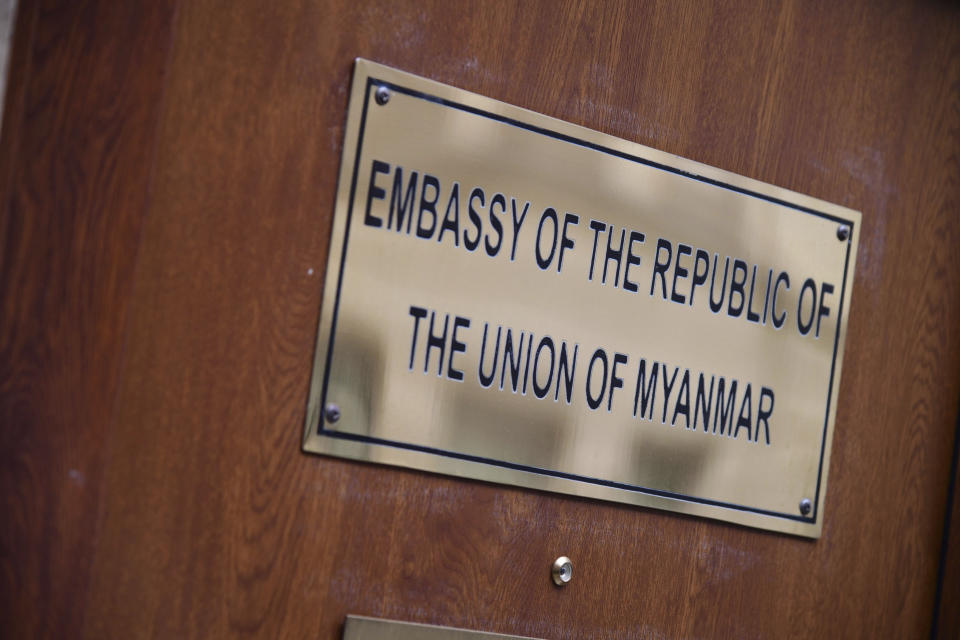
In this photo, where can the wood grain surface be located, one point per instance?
(167, 174)
(946, 617)
(78, 144)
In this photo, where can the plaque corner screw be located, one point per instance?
(843, 232)
(562, 571)
(383, 95)
(806, 507)
(331, 412)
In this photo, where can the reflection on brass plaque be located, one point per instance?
(517, 299)
(363, 628)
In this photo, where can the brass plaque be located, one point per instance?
(521, 300)
(364, 628)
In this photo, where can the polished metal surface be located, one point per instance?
(363, 628)
(593, 304)
(561, 571)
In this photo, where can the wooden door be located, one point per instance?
(167, 175)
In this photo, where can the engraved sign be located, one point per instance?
(364, 628)
(517, 299)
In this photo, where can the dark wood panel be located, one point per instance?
(947, 608)
(212, 523)
(82, 114)
(25, 22)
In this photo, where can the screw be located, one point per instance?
(843, 232)
(383, 95)
(332, 412)
(805, 506)
(562, 571)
